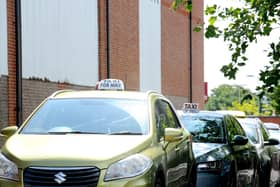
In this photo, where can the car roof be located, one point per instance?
(249, 122)
(270, 125)
(236, 113)
(201, 113)
(100, 94)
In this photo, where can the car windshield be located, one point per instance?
(90, 115)
(205, 129)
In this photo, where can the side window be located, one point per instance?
(238, 127)
(264, 133)
(165, 117)
(233, 128)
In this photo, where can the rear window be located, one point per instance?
(206, 129)
(101, 116)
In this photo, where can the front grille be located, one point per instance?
(61, 176)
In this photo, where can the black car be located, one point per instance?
(269, 154)
(224, 156)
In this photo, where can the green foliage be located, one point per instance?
(223, 97)
(186, 4)
(255, 19)
(276, 100)
(249, 107)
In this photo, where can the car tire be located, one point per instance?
(257, 181)
(159, 180)
(193, 177)
(232, 178)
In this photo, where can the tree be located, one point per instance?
(245, 25)
(223, 97)
(250, 107)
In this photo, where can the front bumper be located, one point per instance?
(144, 180)
(209, 179)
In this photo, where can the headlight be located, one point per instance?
(210, 166)
(129, 167)
(8, 169)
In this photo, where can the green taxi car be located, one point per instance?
(99, 138)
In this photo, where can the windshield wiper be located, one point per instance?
(126, 133)
(73, 132)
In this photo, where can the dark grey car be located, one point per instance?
(224, 156)
(268, 153)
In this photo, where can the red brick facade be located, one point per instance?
(102, 37)
(11, 21)
(198, 54)
(124, 54)
(124, 42)
(175, 52)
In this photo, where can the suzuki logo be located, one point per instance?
(60, 177)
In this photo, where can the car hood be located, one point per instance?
(210, 151)
(72, 149)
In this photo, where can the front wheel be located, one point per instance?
(159, 181)
(193, 178)
(257, 180)
(231, 179)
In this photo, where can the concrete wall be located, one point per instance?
(3, 38)
(150, 45)
(60, 34)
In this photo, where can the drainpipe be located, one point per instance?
(190, 45)
(18, 63)
(108, 37)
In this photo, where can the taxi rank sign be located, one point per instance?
(111, 84)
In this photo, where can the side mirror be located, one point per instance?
(172, 134)
(271, 141)
(9, 131)
(239, 140)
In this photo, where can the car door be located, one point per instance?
(270, 167)
(176, 152)
(244, 155)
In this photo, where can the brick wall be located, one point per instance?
(102, 37)
(273, 119)
(175, 53)
(3, 104)
(198, 54)
(11, 61)
(177, 101)
(35, 91)
(123, 37)
(124, 42)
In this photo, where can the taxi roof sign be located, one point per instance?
(190, 107)
(110, 84)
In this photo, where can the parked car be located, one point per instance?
(269, 154)
(224, 156)
(99, 138)
(273, 129)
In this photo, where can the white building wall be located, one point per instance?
(3, 39)
(60, 40)
(150, 45)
